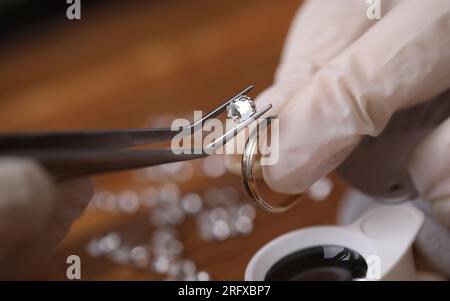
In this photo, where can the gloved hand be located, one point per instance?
(35, 214)
(343, 75)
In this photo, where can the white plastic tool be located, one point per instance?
(383, 236)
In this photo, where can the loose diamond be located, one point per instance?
(321, 189)
(241, 109)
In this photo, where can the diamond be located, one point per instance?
(241, 109)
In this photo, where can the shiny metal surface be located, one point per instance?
(249, 160)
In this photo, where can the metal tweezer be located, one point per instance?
(72, 154)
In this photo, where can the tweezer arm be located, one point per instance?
(68, 155)
(80, 163)
(106, 139)
(70, 163)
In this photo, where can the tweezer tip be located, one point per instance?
(258, 114)
(249, 88)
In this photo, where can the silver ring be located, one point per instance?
(249, 178)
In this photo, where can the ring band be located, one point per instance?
(249, 178)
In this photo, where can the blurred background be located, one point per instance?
(142, 63)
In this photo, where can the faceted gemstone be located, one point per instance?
(241, 109)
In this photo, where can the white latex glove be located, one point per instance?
(35, 214)
(342, 76)
(430, 170)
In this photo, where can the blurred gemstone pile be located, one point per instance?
(220, 213)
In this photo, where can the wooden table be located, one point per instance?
(124, 64)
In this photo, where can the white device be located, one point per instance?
(383, 236)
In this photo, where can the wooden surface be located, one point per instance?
(124, 64)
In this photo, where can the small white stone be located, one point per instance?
(128, 201)
(169, 193)
(188, 267)
(175, 247)
(109, 243)
(192, 203)
(139, 256)
(167, 215)
(218, 214)
(163, 236)
(248, 211)
(93, 248)
(221, 230)
(203, 276)
(161, 265)
(321, 189)
(105, 201)
(241, 109)
(174, 271)
(204, 226)
(244, 225)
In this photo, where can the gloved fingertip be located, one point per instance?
(274, 96)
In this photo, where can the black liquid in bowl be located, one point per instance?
(322, 263)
